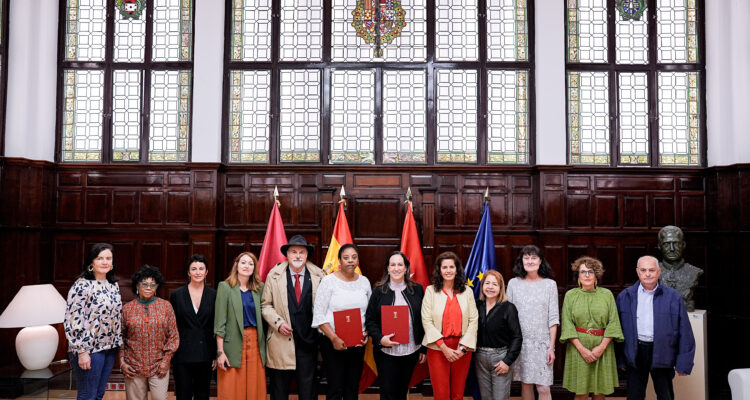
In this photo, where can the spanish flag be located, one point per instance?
(341, 236)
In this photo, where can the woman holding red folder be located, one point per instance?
(340, 293)
(394, 358)
(449, 317)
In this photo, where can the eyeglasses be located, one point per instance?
(586, 272)
(148, 285)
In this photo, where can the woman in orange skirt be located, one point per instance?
(240, 343)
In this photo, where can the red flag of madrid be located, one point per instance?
(270, 254)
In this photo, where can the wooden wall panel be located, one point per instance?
(162, 214)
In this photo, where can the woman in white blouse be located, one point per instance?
(342, 290)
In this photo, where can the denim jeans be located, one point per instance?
(92, 382)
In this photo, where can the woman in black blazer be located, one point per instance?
(194, 309)
(396, 361)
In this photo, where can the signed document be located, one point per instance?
(395, 319)
(348, 326)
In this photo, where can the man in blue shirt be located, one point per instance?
(658, 336)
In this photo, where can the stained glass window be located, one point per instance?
(457, 116)
(251, 30)
(250, 115)
(301, 30)
(352, 116)
(353, 84)
(456, 30)
(107, 101)
(404, 116)
(679, 117)
(82, 115)
(677, 30)
(633, 105)
(3, 63)
(409, 44)
(507, 30)
(300, 115)
(587, 31)
(588, 117)
(622, 110)
(508, 117)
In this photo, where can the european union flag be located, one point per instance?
(482, 257)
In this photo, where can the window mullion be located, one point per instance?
(614, 117)
(107, 106)
(653, 90)
(146, 88)
(274, 126)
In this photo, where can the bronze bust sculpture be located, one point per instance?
(675, 272)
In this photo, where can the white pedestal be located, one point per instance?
(695, 385)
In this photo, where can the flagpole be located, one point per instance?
(408, 197)
(276, 196)
(342, 195)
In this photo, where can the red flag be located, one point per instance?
(413, 249)
(270, 253)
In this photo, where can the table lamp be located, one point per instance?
(33, 309)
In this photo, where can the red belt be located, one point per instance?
(595, 332)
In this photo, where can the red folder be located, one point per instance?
(395, 319)
(348, 324)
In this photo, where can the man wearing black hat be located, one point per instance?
(286, 305)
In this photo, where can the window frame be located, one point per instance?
(652, 69)
(109, 66)
(430, 66)
(5, 27)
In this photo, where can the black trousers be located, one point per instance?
(343, 371)
(306, 358)
(192, 380)
(394, 374)
(638, 377)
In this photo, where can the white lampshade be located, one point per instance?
(34, 305)
(33, 309)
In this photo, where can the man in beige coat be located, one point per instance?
(287, 307)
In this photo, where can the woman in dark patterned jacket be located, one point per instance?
(149, 329)
(92, 322)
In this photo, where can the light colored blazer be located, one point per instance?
(433, 306)
(229, 322)
(275, 309)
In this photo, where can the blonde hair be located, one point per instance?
(499, 277)
(254, 281)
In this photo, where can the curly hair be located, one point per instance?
(459, 282)
(93, 254)
(145, 272)
(545, 270)
(588, 262)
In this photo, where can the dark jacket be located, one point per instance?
(500, 328)
(379, 298)
(674, 345)
(197, 340)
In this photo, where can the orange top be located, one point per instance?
(451, 318)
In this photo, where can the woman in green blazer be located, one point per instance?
(238, 325)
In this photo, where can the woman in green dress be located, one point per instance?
(589, 324)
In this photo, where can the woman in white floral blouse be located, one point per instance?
(92, 323)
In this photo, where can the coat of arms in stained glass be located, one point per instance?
(631, 9)
(378, 22)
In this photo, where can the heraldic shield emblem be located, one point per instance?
(378, 22)
(131, 9)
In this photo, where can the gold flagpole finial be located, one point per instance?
(276, 195)
(342, 195)
(408, 196)
(487, 194)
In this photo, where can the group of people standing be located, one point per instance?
(247, 329)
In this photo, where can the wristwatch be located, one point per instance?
(463, 350)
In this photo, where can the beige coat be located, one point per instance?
(275, 310)
(433, 306)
